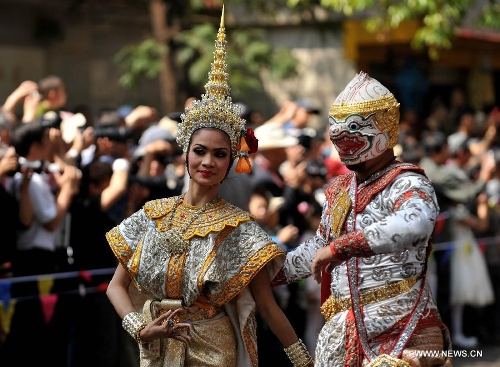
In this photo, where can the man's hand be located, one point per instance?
(322, 256)
(141, 117)
(8, 162)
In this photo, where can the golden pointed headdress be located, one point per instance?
(216, 109)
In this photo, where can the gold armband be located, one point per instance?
(299, 355)
(133, 323)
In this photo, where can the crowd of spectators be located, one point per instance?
(68, 176)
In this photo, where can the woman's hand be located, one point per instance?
(323, 255)
(166, 326)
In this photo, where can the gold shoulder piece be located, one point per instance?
(159, 207)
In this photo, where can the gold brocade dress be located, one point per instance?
(224, 249)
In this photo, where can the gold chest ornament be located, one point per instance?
(172, 240)
(385, 360)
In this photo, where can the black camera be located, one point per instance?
(169, 158)
(149, 181)
(36, 166)
(115, 133)
(50, 119)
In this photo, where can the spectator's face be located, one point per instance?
(301, 117)
(443, 155)
(42, 150)
(468, 122)
(258, 207)
(275, 156)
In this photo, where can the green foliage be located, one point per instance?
(248, 54)
(439, 18)
(490, 17)
(141, 60)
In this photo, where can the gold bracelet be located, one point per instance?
(299, 355)
(133, 323)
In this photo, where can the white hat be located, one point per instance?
(272, 135)
(275, 203)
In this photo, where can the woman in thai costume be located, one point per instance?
(204, 264)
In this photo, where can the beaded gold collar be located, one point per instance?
(213, 219)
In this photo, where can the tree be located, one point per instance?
(180, 52)
(440, 19)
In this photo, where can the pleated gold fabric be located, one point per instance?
(213, 344)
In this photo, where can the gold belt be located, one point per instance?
(193, 313)
(334, 305)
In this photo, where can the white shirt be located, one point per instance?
(44, 210)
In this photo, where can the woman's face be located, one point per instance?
(209, 156)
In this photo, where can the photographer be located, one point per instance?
(36, 244)
(158, 166)
(14, 215)
(102, 185)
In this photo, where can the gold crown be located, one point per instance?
(215, 109)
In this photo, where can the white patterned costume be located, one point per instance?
(377, 304)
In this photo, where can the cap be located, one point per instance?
(151, 134)
(307, 105)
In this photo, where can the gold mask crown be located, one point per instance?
(215, 109)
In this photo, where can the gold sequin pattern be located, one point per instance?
(123, 253)
(258, 260)
(339, 211)
(385, 360)
(334, 305)
(173, 287)
(213, 219)
(250, 338)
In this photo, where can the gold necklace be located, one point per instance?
(172, 240)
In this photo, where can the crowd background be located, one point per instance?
(95, 169)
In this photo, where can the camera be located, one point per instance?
(169, 158)
(50, 119)
(149, 181)
(116, 133)
(36, 166)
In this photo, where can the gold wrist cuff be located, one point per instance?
(299, 355)
(133, 323)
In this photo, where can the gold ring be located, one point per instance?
(170, 322)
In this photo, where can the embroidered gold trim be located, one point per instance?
(385, 109)
(214, 219)
(173, 287)
(333, 305)
(210, 258)
(124, 253)
(249, 335)
(339, 210)
(341, 111)
(385, 360)
(258, 260)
